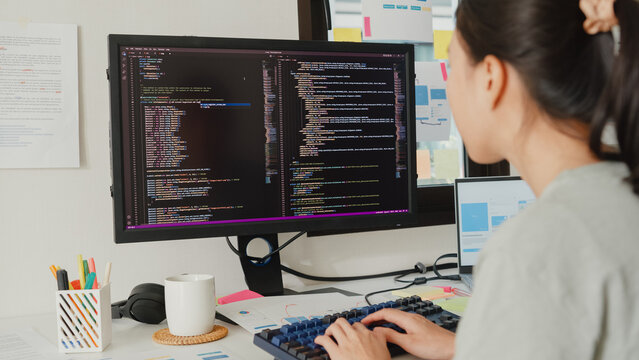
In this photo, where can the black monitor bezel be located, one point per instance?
(115, 41)
(468, 269)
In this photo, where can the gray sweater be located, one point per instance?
(561, 279)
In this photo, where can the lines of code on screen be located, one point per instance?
(218, 135)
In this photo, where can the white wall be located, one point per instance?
(47, 216)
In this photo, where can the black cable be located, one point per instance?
(261, 260)
(422, 280)
(345, 278)
(419, 267)
(445, 277)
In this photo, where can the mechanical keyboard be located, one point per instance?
(296, 341)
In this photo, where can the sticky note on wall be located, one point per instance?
(347, 34)
(441, 41)
(446, 163)
(423, 164)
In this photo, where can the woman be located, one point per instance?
(537, 82)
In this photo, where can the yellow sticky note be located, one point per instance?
(347, 34)
(446, 163)
(423, 164)
(456, 305)
(441, 40)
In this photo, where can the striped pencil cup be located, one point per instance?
(84, 319)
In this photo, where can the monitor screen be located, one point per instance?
(218, 137)
(483, 204)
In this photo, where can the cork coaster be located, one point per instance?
(166, 338)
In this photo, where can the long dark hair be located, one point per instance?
(570, 74)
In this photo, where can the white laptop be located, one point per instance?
(481, 206)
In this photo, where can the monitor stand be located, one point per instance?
(266, 278)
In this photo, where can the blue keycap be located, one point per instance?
(312, 332)
(306, 324)
(279, 339)
(286, 329)
(316, 322)
(352, 321)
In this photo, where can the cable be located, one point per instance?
(345, 278)
(445, 277)
(416, 281)
(261, 260)
(419, 267)
(422, 280)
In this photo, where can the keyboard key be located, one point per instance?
(313, 353)
(297, 349)
(269, 334)
(414, 299)
(291, 344)
(287, 329)
(279, 339)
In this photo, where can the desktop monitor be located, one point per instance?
(216, 137)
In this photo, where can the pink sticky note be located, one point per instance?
(367, 26)
(444, 72)
(238, 296)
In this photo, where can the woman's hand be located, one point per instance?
(422, 339)
(353, 342)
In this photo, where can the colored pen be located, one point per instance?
(63, 280)
(53, 271)
(85, 266)
(75, 285)
(89, 283)
(81, 271)
(92, 269)
(107, 273)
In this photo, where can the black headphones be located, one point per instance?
(145, 304)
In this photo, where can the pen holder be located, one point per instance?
(84, 319)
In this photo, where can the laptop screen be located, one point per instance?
(482, 206)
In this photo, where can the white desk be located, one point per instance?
(131, 337)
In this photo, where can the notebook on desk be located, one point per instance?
(481, 206)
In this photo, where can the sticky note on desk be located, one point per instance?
(456, 305)
(347, 34)
(441, 41)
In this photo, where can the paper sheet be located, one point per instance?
(398, 20)
(347, 34)
(209, 352)
(272, 312)
(431, 102)
(26, 344)
(441, 41)
(38, 96)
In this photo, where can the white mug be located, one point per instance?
(190, 304)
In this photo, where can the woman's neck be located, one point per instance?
(542, 151)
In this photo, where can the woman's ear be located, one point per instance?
(493, 78)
